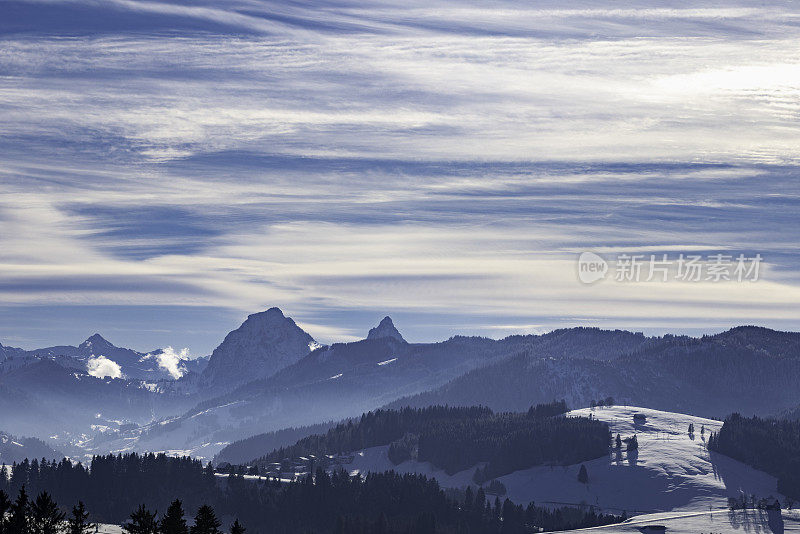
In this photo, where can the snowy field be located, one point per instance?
(671, 472)
(716, 522)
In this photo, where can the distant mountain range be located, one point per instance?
(269, 374)
(746, 369)
(100, 358)
(16, 449)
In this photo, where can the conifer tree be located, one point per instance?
(45, 516)
(173, 521)
(237, 528)
(19, 522)
(468, 498)
(78, 522)
(480, 499)
(5, 506)
(205, 522)
(142, 521)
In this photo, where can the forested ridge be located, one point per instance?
(457, 438)
(507, 442)
(379, 427)
(116, 488)
(770, 445)
(244, 450)
(746, 369)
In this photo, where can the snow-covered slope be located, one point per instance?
(712, 521)
(671, 471)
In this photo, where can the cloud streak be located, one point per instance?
(446, 161)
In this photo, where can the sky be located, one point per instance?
(167, 169)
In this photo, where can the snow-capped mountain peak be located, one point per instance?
(385, 328)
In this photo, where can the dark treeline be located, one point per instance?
(454, 438)
(380, 427)
(137, 486)
(112, 485)
(770, 445)
(243, 451)
(508, 442)
(428, 430)
(42, 515)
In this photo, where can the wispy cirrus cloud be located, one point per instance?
(444, 161)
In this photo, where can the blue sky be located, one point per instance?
(168, 168)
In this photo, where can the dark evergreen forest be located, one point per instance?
(770, 445)
(141, 492)
(457, 438)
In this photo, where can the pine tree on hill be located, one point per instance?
(583, 476)
(173, 521)
(142, 521)
(78, 522)
(45, 516)
(205, 522)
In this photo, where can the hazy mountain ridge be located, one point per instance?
(297, 383)
(131, 364)
(345, 379)
(745, 369)
(16, 449)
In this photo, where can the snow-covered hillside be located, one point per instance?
(670, 472)
(711, 521)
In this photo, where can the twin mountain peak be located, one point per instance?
(266, 343)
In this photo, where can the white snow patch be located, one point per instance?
(716, 521)
(334, 377)
(102, 367)
(387, 362)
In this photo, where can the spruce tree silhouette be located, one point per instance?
(173, 521)
(78, 521)
(205, 522)
(46, 517)
(19, 522)
(5, 506)
(142, 521)
(237, 528)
